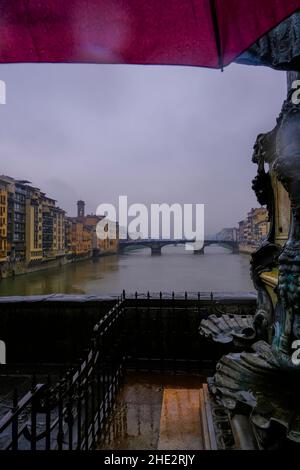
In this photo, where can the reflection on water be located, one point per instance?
(176, 270)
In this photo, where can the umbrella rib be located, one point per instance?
(214, 16)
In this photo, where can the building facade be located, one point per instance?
(48, 230)
(68, 237)
(58, 232)
(81, 240)
(227, 234)
(88, 224)
(34, 225)
(253, 229)
(250, 231)
(34, 230)
(16, 217)
(3, 223)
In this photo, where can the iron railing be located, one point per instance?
(161, 331)
(70, 414)
(142, 331)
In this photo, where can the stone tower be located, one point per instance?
(80, 209)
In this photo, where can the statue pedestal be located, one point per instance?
(220, 431)
(260, 397)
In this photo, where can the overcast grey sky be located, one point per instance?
(156, 134)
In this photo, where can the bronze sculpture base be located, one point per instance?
(254, 386)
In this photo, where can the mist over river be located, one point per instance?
(176, 270)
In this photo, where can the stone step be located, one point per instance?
(208, 432)
(180, 423)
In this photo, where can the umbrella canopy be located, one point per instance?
(207, 33)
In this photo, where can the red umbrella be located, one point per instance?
(207, 33)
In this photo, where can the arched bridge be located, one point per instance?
(157, 245)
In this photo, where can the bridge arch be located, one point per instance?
(157, 245)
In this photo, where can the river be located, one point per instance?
(176, 270)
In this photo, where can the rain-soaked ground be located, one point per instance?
(156, 411)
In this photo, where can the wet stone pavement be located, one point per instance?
(156, 411)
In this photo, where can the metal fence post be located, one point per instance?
(86, 410)
(15, 422)
(60, 417)
(70, 419)
(33, 414)
(48, 414)
(79, 406)
(93, 405)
